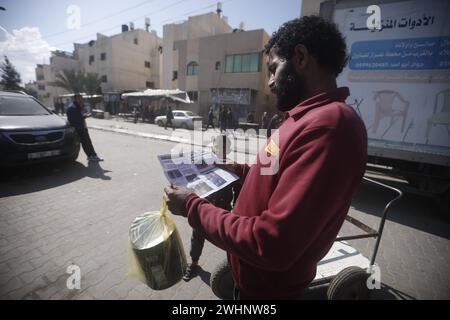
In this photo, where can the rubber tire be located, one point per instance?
(349, 284)
(74, 156)
(159, 123)
(184, 126)
(221, 282)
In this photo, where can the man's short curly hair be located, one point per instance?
(322, 39)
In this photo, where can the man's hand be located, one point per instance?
(175, 197)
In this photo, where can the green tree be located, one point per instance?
(77, 82)
(70, 80)
(10, 78)
(92, 83)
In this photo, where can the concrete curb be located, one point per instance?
(159, 137)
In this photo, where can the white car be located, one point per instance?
(181, 118)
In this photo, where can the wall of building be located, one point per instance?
(208, 51)
(195, 27)
(124, 66)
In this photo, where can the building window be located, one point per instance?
(238, 63)
(192, 69)
(217, 66)
(40, 77)
(149, 84)
(104, 79)
(136, 41)
(103, 56)
(147, 64)
(91, 59)
(174, 75)
(193, 95)
(41, 87)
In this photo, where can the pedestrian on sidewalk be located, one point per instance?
(265, 120)
(230, 119)
(287, 216)
(223, 119)
(211, 118)
(274, 123)
(77, 120)
(251, 117)
(169, 118)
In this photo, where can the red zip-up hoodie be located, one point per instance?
(284, 223)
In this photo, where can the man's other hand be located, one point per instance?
(175, 198)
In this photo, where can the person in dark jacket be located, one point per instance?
(251, 117)
(169, 118)
(211, 118)
(273, 124)
(289, 212)
(77, 120)
(264, 120)
(230, 119)
(223, 119)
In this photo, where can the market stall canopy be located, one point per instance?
(176, 94)
(84, 95)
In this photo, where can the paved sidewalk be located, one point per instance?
(248, 143)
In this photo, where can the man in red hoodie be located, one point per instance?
(285, 222)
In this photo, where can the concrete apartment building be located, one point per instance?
(225, 69)
(130, 60)
(195, 27)
(217, 65)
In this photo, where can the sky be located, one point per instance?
(30, 29)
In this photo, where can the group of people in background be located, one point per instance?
(61, 107)
(226, 119)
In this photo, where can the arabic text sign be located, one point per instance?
(401, 54)
(231, 96)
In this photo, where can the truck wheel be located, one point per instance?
(349, 284)
(221, 282)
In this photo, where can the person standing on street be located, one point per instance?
(274, 123)
(211, 118)
(264, 120)
(77, 120)
(169, 118)
(288, 213)
(230, 119)
(223, 119)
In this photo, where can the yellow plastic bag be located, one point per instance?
(156, 254)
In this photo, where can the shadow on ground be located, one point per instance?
(411, 210)
(29, 179)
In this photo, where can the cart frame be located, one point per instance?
(368, 231)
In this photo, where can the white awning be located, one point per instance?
(176, 94)
(84, 95)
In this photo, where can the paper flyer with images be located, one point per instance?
(197, 171)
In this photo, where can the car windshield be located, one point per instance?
(20, 106)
